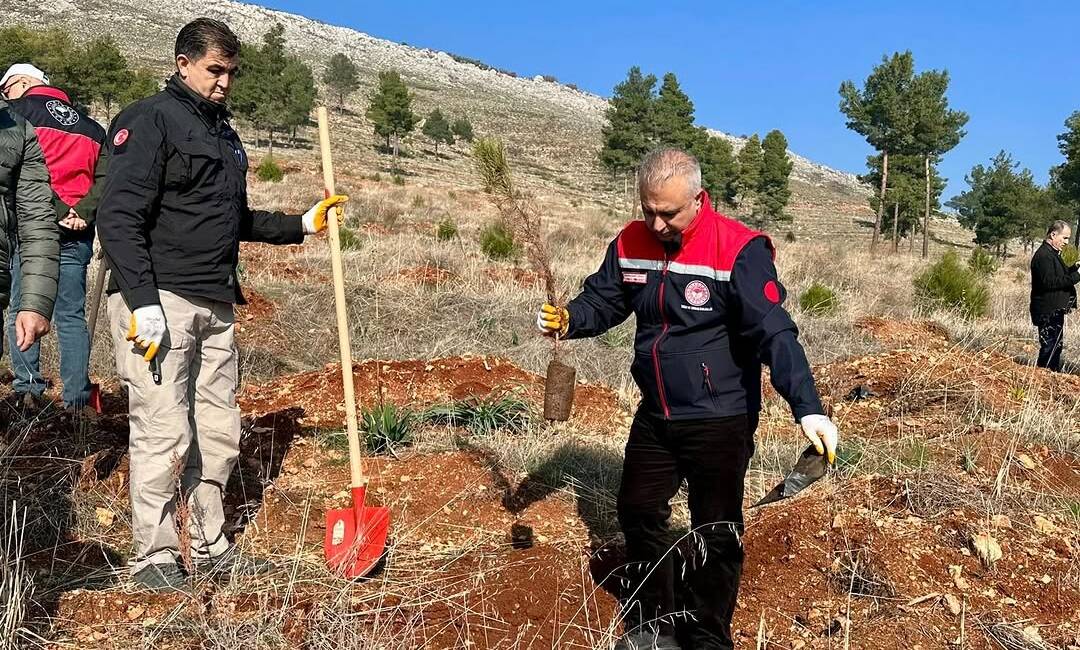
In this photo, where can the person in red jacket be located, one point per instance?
(71, 141)
(709, 309)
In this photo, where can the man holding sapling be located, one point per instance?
(710, 312)
(1053, 294)
(172, 214)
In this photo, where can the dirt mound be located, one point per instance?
(901, 334)
(856, 560)
(425, 275)
(521, 277)
(279, 264)
(419, 384)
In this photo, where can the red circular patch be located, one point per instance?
(120, 137)
(772, 292)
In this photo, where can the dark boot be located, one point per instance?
(233, 562)
(162, 578)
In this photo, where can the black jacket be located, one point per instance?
(174, 206)
(709, 314)
(1052, 283)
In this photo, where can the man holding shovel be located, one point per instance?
(71, 142)
(709, 313)
(173, 211)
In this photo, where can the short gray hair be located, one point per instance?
(662, 165)
(1057, 227)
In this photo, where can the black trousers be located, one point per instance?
(1051, 340)
(695, 602)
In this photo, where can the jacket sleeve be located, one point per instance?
(1051, 275)
(763, 321)
(88, 205)
(38, 233)
(603, 303)
(131, 192)
(271, 227)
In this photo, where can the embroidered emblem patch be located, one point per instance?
(772, 292)
(635, 277)
(120, 137)
(697, 293)
(61, 112)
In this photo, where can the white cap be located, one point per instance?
(24, 69)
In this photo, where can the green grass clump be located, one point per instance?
(447, 230)
(819, 300)
(350, 241)
(484, 417)
(497, 242)
(949, 285)
(268, 171)
(982, 262)
(386, 428)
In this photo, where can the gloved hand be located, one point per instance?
(147, 329)
(315, 218)
(552, 320)
(820, 429)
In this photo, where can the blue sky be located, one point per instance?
(752, 67)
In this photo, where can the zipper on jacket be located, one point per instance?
(656, 343)
(708, 385)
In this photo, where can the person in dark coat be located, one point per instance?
(1053, 294)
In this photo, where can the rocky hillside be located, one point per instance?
(554, 128)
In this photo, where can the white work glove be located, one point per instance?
(147, 329)
(315, 219)
(820, 429)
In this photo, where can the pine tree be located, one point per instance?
(108, 72)
(998, 202)
(751, 164)
(341, 78)
(880, 113)
(626, 136)
(719, 171)
(775, 171)
(936, 130)
(143, 83)
(462, 129)
(1066, 176)
(673, 117)
(906, 198)
(391, 109)
(276, 91)
(438, 129)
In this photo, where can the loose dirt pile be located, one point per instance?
(420, 384)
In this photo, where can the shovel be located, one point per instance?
(92, 318)
(356, 536)
(810, 467)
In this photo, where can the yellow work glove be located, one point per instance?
(552, 320)
(147, 329)
(315, 218)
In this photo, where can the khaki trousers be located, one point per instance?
(185, 433)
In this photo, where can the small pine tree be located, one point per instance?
(109, 72)
(673, 116)
(143, 84)
(751, 164)
(341, 78)
(437, 129)
(775, 171)
(391, 109)
(463, 129)
(719, 170)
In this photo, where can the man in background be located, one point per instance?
(70, 141)
(27, 224)
(1053, 294)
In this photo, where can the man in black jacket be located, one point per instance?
(172, 213)
(1053, 294)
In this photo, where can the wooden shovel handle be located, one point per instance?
(357, 471)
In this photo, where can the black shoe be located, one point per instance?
(647, 641)
(162, 578)
(233, 562)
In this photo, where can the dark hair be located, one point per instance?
(204, 34)
(1056, 227)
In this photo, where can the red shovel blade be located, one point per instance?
(356, 536)
(95, 398)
